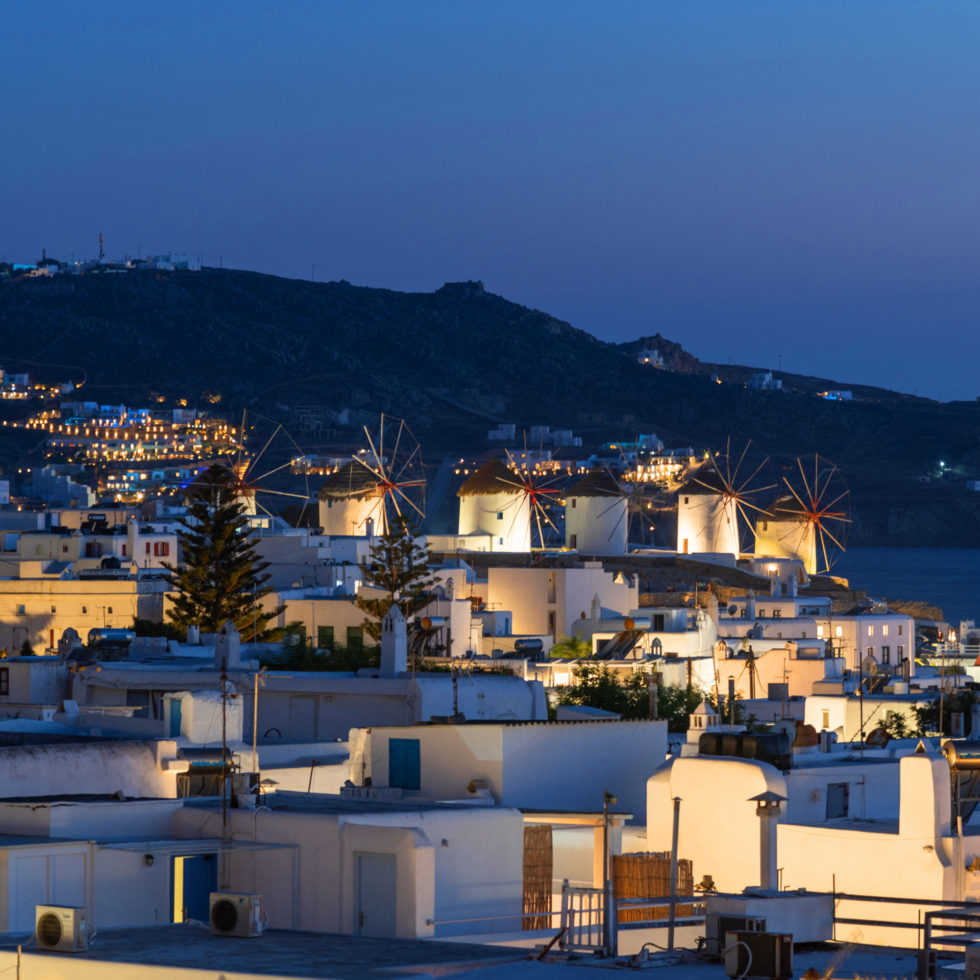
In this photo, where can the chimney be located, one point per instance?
(228, 647)
(394, 644)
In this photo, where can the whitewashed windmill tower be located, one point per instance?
(707, 516)
(350, 500)
(492, 501)
(596, 515)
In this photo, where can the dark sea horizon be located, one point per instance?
(945, 577)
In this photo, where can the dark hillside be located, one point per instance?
(456, 360)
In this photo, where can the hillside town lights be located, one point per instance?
(767, 810)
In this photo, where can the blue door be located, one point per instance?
(404, 764)
(195, 877)
(175, 718)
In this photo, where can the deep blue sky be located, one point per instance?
(751, 179)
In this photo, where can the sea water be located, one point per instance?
(945, 577)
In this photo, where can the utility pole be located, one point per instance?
(609, 906)
(674, 839)
(224, 744)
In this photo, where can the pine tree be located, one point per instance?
(221, 577)
(398, 567)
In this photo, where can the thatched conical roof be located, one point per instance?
(492, 477)
(353, 479)
(704, 480)
(597, 482)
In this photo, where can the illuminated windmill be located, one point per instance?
(811, 521)
(265, 484)
(382, 485)
(716, 506)
(597, 514)
(493, 502)
(539, 492)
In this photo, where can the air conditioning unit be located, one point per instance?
(768, 955)
(234, 914)
(61, 927)
(717, 924)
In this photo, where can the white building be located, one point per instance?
(549, 601)
(538, 766)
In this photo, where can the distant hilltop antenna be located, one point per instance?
(101, 249)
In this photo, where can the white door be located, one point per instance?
(30, 888)
(375, 895)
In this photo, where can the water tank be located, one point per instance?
(106, 637)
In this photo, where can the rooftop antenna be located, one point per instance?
(101, 249)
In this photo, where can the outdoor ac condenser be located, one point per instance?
(234, 914)
(61, 927)
(717, 924)
(768, 955)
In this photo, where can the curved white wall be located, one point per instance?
(597, 525)
(504, 516)
(706, 523)
(350, 516)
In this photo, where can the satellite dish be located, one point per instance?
(629, 623)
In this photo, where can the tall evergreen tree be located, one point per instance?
(397, 567)
(221, 577)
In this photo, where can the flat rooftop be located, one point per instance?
(277, 952)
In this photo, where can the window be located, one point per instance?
(825, 723)
(871, 652)
(4, 680)
(899, 629)
(837, 794)
(886, 655)
(147, 547)
(324, 637)
(355, 638)
(901, 653)
(109, 610)
(53, 610)
(884, 629)
(871, 631)
(84, 610)
(819, 632)
(838, 631)
(161, 548)
(574, 501)
(658, 622)
(777, 613)
(124, 551)
(404, 763)
(500, 515)
(22, 610)
(573, 538)
(64, 549)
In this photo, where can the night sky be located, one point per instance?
(794, 180)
